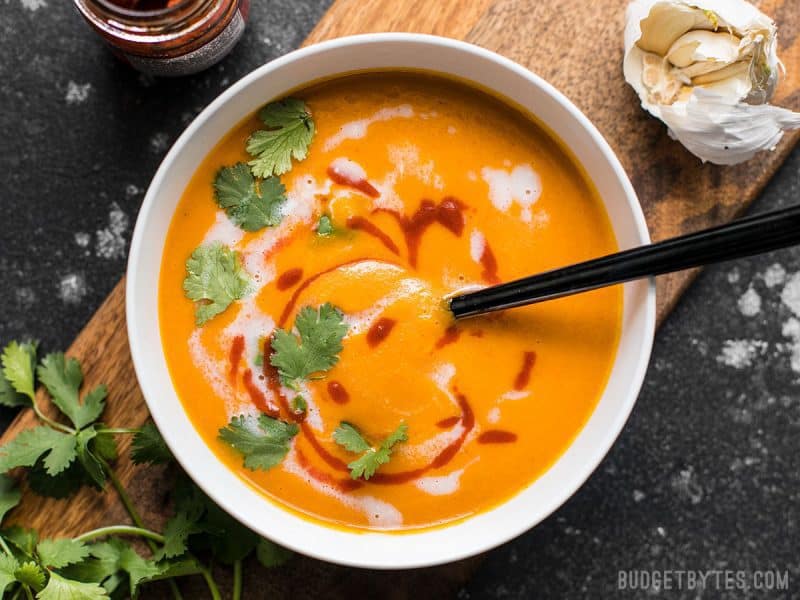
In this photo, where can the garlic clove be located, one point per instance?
(732, 70)
(701, 46)
(707, 69)
(667, 22)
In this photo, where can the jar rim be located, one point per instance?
(112, 7)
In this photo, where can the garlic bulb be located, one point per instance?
(707, 68)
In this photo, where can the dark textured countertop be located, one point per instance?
(705, 476)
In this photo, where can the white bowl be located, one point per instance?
(386, 550)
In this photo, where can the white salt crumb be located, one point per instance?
(791, 330)
(494, 415)
(750, 303)
(686, 486)
(774, 275)
(72, 288)
(132, 190)
(741, 353)
(791, 294)
(661, 531)
(25, 296)
(638, 495)
(77, 93)
(733, 275)
(159, 143)
(110, 241)
(33, 5)
(83, 239)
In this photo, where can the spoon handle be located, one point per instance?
(744, 237)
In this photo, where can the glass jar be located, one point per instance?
(167, 38)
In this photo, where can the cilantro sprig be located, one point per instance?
(263, 441)
(59, 457)
(249, 203)
(372, 457)
(289, 132)
(320, 335)
(214, 279)
(68, 456)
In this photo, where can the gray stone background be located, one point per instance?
(705, 476)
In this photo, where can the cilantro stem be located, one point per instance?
(5, 547)
(17, 593)
(237, 580)
(135, 517)
(117, 430)
(212, 585)
(28, 592)
(120, 530)
(49, 421)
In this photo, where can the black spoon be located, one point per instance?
(745, 237)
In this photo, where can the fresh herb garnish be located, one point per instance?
(149, 447)
(63, 379)
(263, 441)
(249, 204)
(70, 456)
(321, 332)
(299, 405)
(324, 225)
(215, 279)
(19, 361)
(290, 131)
(83, 568)
(347, 436)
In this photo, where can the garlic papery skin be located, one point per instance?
(708, 68)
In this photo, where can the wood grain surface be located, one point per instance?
(577, 46)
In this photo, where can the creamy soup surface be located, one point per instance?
(429, 187)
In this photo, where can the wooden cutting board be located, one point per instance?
(575, 45)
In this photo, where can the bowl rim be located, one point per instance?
(449, 553)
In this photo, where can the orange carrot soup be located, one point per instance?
(303, 313)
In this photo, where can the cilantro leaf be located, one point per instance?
(365, 465)
(8, 566)
(30, 574)
(18, 362)
(348, 436)
(226, 538)
(9, 396)
(104, 446)
(10, 496)
(61, 552)
(299, 405)
(215, 279)
(63, 378)
(321, 332)
(149, 447)
(115, 555)
(60, 588)
(176, 535)
(270, 554)
(91, 464)
(263, 442)
(25, 449)
(249, 204)
(290, 132)
(24, 540)
(324, 225)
